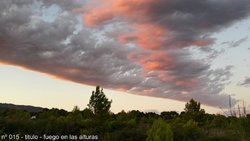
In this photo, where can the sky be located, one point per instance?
(149, 55)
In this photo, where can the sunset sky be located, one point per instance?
(149, 55)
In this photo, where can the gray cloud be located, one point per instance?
(59, 48)
(187, 23)
(236, 43)
(65, 4)
(41, 46)
(194, 19)
(192, 79)
(246, 82)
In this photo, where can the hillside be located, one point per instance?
(5, 106)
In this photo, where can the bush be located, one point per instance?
(160, 131)
(218, 138)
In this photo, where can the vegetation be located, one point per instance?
(99, 104)
(97, 122)
(160, 131)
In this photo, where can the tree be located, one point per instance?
(169, 115)
(160, 131)
(219, 121)
(99, 103)
(193, 111)
(87, 113)
(76, 115)
(191, 130)
(15, 114)
(192, 107)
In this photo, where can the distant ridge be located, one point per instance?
(6, 106)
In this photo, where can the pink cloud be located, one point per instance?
(97, 17)
(147, 36)
(139, 15)
(99, 11)
(156, 66)
(153, 61)
(160, 29)
(186, 84)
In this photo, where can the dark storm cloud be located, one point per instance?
(61, 49)
(189, 78)
(174, 24)
(42, 46)
(193, 19)
(183, 23)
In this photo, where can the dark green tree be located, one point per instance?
(169, 115)
(193, 111)
(99, 103)
(87, 113)
(191, 131)
(160, 131)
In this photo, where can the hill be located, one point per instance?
(5, 106)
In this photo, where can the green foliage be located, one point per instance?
(217, 138)
(160, 131)
(52, 113)
(135, 114)
(219, 121)
(246, 126)
(169, 115)
(18, 115)
(192, 107)
(194, 111)
(87, 113)
(191, 130)
(126, 133)
(99, 103)
(191, 125)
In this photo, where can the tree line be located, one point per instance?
(193, 124)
